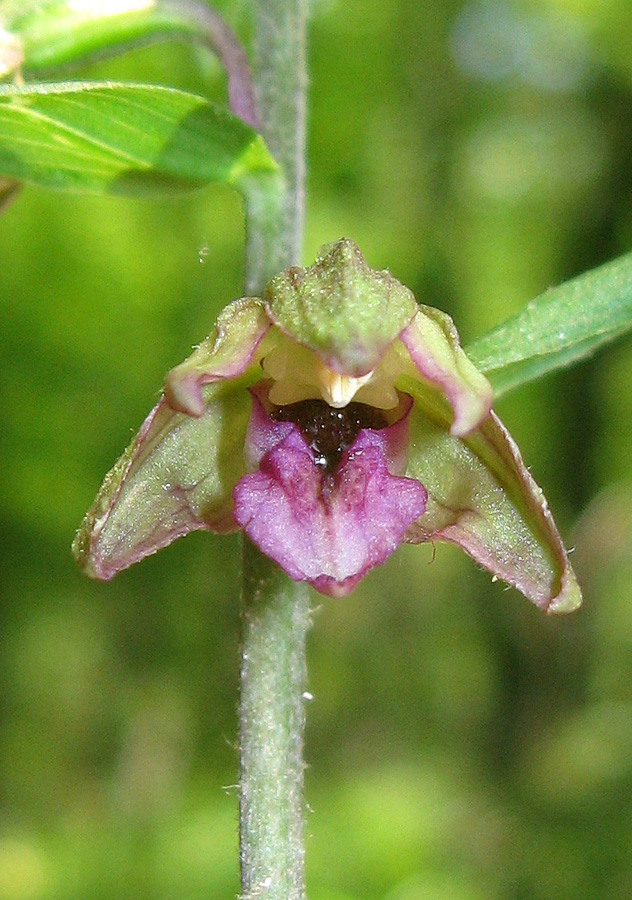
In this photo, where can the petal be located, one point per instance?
(226, 353)
(177, 476)
(482, 497)
(433, 344)
(341, 309)
(327, 530)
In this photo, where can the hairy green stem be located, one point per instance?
(275, 619)
(275, 610)
(274, 218)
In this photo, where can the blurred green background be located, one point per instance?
(460, 745)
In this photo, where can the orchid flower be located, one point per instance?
(332, 419)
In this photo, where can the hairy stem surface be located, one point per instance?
(275, 619)
(275, 610)
(274, 219)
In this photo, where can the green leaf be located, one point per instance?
(123, 138)
(38, 36)
(54, 33)
(558, 328)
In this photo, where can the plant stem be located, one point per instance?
(274, 219)
(275, 621)
(275, 610)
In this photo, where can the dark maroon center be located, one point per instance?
(328, 431)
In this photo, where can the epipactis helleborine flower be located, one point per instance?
(332, 419)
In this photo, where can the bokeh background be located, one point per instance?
(460, 744)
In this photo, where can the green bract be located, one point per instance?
(331, 420)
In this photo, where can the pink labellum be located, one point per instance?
(327, 529)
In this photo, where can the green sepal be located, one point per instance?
(482, 497)
(341, 309)
(176, 476)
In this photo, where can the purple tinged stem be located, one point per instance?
(222, 39)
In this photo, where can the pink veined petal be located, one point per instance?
(225, 354)
(340, 308)
(327, 530)
(433, 344)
